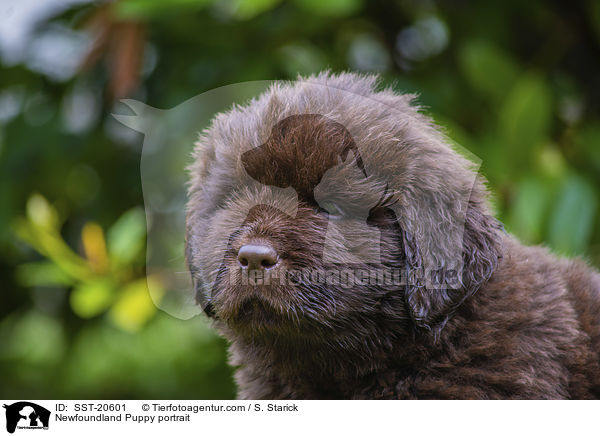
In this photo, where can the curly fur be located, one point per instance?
(516, 323)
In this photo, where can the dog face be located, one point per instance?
(321, 210)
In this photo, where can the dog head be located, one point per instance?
(326, 206)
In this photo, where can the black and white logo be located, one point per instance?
(26, 415)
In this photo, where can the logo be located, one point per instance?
(26, 415)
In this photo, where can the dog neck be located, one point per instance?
(329, 369)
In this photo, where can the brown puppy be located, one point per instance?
(346, 251)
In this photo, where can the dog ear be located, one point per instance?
(482, 247)
(432, 306)
(201, 298)
(199, 293)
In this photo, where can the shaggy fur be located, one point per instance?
(512, 322)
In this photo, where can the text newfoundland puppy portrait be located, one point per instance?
(346, 250)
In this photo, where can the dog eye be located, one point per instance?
(381, 216)
(334, 211)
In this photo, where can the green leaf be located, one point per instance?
(529, 210)
(246, 9)
(330, 7)
(136, 9)
(488, 69)
(525, 118)
(41, 213)
(126, 237)
(42, 273)
(552, 163)
(49, 243)
(92, 298)
(573, 216)
(134, 306)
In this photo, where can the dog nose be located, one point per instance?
(257, 256)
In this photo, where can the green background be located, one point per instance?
(515, 83)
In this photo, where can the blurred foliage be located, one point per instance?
(515, 83)
(106, 279)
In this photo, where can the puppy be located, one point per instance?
(346, 251)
